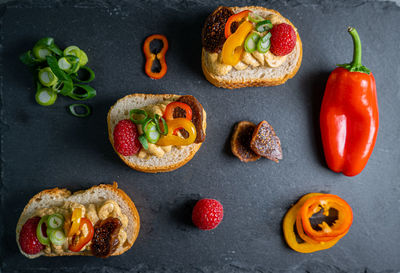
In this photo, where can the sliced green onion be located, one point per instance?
(75, 64)
(137, 112)
(250, 44)
(72, 50)
(47, 77)
(263, 26)
(41, 52)
(144, 142)
(41, 232)
(76, 78)
(56, 236)
(83, 58)
(45, 96)
(86, 92)
(157, 118)
(28, 59)
(55, 221)
(63, 87)
(264, 43)
(64, 64)
(46, 43)
(150, 130)
(53, 63)
(255, 18)
(72, 110)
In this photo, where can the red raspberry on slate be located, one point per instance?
(207, 214)
(27, 238)
(283, 39)
(126, 138)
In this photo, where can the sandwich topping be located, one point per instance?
(249, 41)
(160, 127)
(74, 227)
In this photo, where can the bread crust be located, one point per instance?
(149, 168)
(240, 83)
(64, 193)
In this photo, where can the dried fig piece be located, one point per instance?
(105, 239)
(265, 142)
(240, 141)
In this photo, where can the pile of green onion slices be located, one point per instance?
(151, 126)
(50, 230)
(57, 73)
(256, 40)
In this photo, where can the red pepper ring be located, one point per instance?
(326, 201)
(169, 110)
(150, 57)
(77, 245)
(234, 18)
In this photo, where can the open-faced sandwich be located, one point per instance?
(101, 221)
(156, 133)
(249, 46)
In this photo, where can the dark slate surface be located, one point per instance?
(46, 147)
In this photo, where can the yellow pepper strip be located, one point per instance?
(76, 221)
(173, 125)
(289, 223)
(233, 46)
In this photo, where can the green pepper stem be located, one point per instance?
(357, 47)
(355, 65)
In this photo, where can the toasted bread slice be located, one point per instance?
(261, 75)
(172, 160)
(95, 195)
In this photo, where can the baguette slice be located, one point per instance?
(172, 160)
(262, 75)
(95, 195)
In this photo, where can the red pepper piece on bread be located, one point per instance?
(265, 142)
(240, 141)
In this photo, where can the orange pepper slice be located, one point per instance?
(290, 236)
(171, 139)
(233, 47)
(76, 220)
(150, 57)
(326, 201)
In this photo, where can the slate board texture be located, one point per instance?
(46, 147)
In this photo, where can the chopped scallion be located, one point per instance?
(47, 77)
(72, 110)
(45, 96)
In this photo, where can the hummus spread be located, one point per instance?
(94, 212)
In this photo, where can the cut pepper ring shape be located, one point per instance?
(150, 57)
(233, 46)
(234, 18)
(326, 201)
(292, 223)
(171, 139)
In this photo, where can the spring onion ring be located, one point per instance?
(134, 112)
(56, 236)
(76, 78)
(43, 238)
(150, 130)
(47, 77)
(55, 221)
(88, 92)
(157, 118)
(264, 43)
(64, 64)
(45, 96)
(72, 110)
(263, 26)
(49, 44)
(144, 142)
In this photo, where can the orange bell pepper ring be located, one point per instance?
(234, 18)
(326, 202)
(169, 110)
(293, 219)
(233, 46)
(171, 139)
(150, 56)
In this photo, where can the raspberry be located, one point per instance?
(27, 238)
(126, 138)
(283, 39)
(207, 214)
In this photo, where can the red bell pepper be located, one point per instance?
(234, 18)
(349, 117)
(79, 242)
